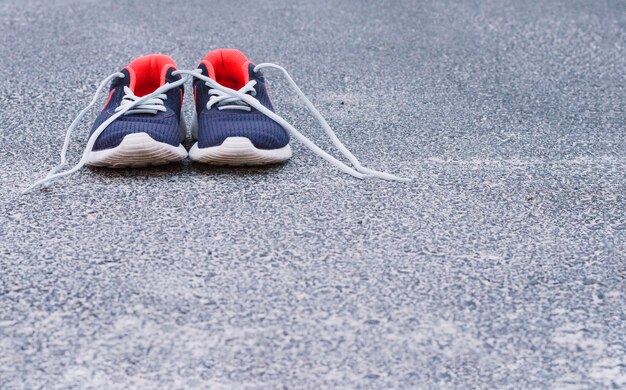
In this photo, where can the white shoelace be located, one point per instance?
(225, 101)
(151, 103)
(240, 98)
(150, 106)
(224, 98)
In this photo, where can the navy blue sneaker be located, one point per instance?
(227, 130)
(150, 133)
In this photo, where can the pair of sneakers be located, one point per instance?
(225, 129)
(234, 122)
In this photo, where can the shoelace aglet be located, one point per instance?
(46, 183)
(382, 175)
(387, 177)
(29, 189)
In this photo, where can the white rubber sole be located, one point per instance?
(239, 151)
(137, 150)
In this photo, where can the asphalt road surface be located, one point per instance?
(502, 265)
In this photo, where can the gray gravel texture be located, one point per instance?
(503, 265)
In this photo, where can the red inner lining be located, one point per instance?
(228, 67)
(148, 73)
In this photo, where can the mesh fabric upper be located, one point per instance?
(162, 127)
(215, 125)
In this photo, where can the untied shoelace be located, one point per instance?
(224, 98)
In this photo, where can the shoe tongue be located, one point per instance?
(229, 67)
(148, 73)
